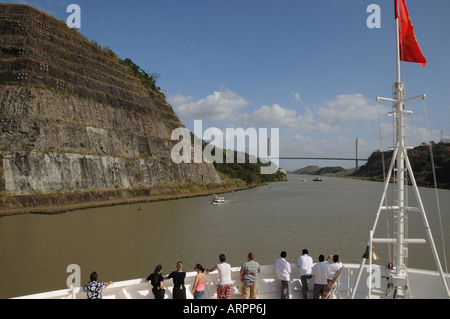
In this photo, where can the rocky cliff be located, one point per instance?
(73, 116)
(421, 163)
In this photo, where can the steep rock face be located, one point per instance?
(35, 171)
(74, 116)
(421, 163)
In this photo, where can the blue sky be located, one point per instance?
(310, 68)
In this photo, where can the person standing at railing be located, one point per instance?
(225, 282)
(95, 288)
(320, 272)
(198, 289)
(305, 263)
(249, 277)
(178, 276)
(334, 265)
(156, 279)
(283, 269)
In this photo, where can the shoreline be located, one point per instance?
(374, 179)
(162, 194)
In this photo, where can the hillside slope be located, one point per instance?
(73, 116)
(420, 159)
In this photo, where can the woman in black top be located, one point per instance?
(178, 276)
(156, 279)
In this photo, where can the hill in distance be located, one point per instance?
(421, 162)
(329, 171)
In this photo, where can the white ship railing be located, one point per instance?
(425, 284)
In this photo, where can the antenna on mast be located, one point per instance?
(399, 167)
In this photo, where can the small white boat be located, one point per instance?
(218, 200)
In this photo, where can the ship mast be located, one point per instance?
(398, 286)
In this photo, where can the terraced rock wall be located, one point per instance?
(73, 115)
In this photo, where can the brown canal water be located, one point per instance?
(127, 242)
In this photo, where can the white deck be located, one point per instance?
(423, 284)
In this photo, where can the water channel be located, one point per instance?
(126, 242)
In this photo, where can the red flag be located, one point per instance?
(409, 48)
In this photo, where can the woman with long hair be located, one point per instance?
(156, 279)
(198, 289)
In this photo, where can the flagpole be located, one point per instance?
(400, 214)
(397, 42)
(400, 274)
(398, 286)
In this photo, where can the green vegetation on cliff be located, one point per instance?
(148, 79)
(420, 158)
(248, 172)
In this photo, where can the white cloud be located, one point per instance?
(341, 119)
(296, 96)
(349, 107)
(340, 114)
(274, 115)
(219, 106)
(179, 99)
(336, 116)
(277, 116)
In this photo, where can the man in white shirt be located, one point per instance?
(320, 271)
(283, 269)
(305, 263)
(225, 282)
(334, 265)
